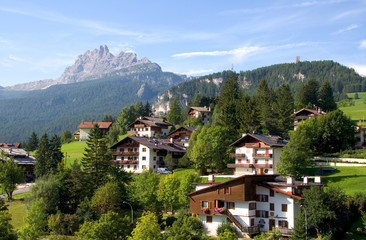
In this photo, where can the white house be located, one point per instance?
(136, 154)
(150, 127)
(252, 203)
(256, 154)
(86, 127)
(204, 113)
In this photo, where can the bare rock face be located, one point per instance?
(93, 64)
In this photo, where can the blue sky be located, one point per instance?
(39, 39)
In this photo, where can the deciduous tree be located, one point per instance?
(10, 175)
(147, 228)
(168, 192)
(35, 222)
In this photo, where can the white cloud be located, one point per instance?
(348, 13)
(195, 72)
(363, 44)
(16, 59)
(348, 28)
(360, 69)
(239, 52)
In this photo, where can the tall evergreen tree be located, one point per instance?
(265, 106)
(97, 159)
(42, 156)
(247, 115)
(299, 229)
(196, 100)
(175, 113)
(225, 110)
(284, 107)
(32, 142)
(307, 95)
(326, 99)
(147, 109)
(55, 154)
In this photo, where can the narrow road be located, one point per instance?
(21, 189)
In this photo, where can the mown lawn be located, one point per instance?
(350, 179)
(17, 211)
(73, 151)
(357, 111)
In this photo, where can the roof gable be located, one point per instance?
(270, 140)
(307, 111)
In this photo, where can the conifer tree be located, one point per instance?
(196, 100)
(307, 95)
(147, 109)
(265, 106)
(97, 160)
(32, 142)
(175, 113)
(247, 115)
(299, 229)
(225, 110)
(284, 108)
(326, 99)
(55, 154)
(42, 156)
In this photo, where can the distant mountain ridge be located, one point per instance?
(94, 65)
(341, 78)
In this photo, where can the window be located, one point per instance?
(284, 207)
(239, 160)
(208, 219)
(261, 214)
(144, 149)
(230, 205)
(143, 158)
(256, 161)
(143, 166)
(282, 224)
(204, 204)
(248, 160)
(227, 190)
(252, 222)
(271, 207)
(154, 166)
(128, 166)
(146, 129)
(135, 167)
(252, 206)
(262, 198)
(271, 193)
(154, 158)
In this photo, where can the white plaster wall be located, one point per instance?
(212, 227)
(84, 134)
(143, 154)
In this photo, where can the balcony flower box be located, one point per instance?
(125, 161)
(133, 162)
(205, 210)
(115, 161)
(220, 210)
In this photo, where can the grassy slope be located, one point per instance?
(18, 212)
(350, 179)
(73, 151)
(357, 111)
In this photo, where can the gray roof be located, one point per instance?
(19, 155)
(200, 109)
(271, 140)
(188, 128)
(154, 143)
(153, 122)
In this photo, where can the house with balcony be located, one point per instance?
(251, 203)
(86, 127)
(150, 127)
(204, 113)
(182, 135)
(20, 157)
(256, 154)
(304, 114)
(136, 154)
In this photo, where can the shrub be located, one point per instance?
(225, 226)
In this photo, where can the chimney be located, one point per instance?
(171, 140)
(318, 179)
(211, 178)
(290, 180)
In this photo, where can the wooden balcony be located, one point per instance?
(132, 132)
(258, 155)
(125, 153)
(263, 165)
(252, 145)
(237, 155)
(139, 126)
(240, 165)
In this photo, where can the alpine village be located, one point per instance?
(223, 156)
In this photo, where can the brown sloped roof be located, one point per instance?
(308, 110)
(187, 128)
(152, 122)
(270, 140)
(9, 145)
(153, 143)
(102, 125)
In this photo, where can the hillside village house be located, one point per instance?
(204, 113)
(20, 156)
(304, 114)
(86, 127)
(252, 203)
(136, 154)
(182, 135)
(150, 127)
(256, 154)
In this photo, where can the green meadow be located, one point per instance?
(358, 111)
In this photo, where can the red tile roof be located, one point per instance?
(9, 145)
(102, 125)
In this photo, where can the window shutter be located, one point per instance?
(201, 204)
(266, 214)
(266, 198)
(255, 205)
(257, 198)
(257, 214)
(218, 191)
(229, 190)
(216, 203)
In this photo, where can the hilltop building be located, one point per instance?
(204, 113)
(253, 203)
(86, 127)
(256, 154)
(304, 114)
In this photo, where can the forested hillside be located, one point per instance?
(63, 107)
(341, 78)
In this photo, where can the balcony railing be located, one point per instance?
(286, 231)
(258, 155)
(125, 153)
(246, 229)
(263, 165)
(237, 155)
(252, 145)
(139, 126)
(132, 132)
(240, 165)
